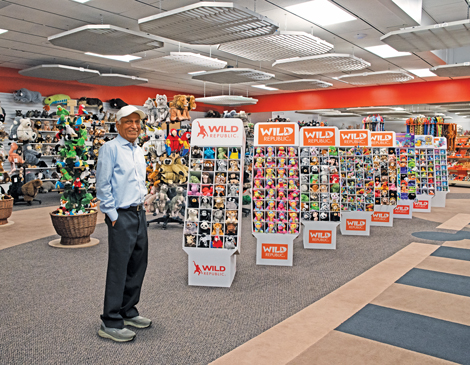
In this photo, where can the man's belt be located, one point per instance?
(134, 208)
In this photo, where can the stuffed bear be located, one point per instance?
(25, 130)
(31, 189)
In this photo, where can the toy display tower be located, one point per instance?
(384, 156)
(441, 172)
(276, 192)
(212, 227)
(320, 186)
(425, 177)
(357, 181)
(406, 176)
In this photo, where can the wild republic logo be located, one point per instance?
(381, 139)
(276, 134)
(356, 224)
(353, 138)
(318, 136)
(402, 209)
(382, 217)
(217, 131)
(274, 251)
(322, 237)
(212, 270)
(423, 204)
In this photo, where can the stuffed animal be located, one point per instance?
(219, 203)
(192, 215)
(91, 102)
(13, 156)
(163, 199)
(31, 157)
(163, 110)
(151, 111)
(26, 96)
(14, 129)
(3, 133)
(177, 202)
(2, 113)
(25, 130)
(149, 200)
(212, 114)
(31, 189)
(56, 99)
(180, 106)
(217, 229)
(205, 202)
(190, 240)
(218, 215)
(173, 142)
(117, 103)
(206, 178)
(231, 216)
(230, 241)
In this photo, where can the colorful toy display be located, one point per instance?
(357, 179)
(319, 184)
(407, 170)
(425, 178)
(440, 164)
(276, 190)
(385, 175)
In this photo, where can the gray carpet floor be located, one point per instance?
(458, 196)
(51, 199)
(51, 299)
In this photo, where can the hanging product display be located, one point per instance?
(384, 155)
(276, 192)
(212, 227)
(356, 182)
(441, 172)
(319, 186)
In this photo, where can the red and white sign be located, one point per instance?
(274, 251)
(214, 270)
(217, 132)
(404, 210)
(423, 204)
(319, 136)
(276, 134)
(382, 139)
(354, 137)
(356, 224)
(381, 217)
(319, 237)
(211, 267)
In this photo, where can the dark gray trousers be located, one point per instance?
(127, 263)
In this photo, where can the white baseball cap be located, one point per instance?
(128, 110)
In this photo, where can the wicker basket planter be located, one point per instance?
(74, 229)
(6, 208)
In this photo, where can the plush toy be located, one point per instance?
(13, 156)
(177, 202)
(3, 133)
(31, 189)
(209, 153)
(56, 99)
(117, 103)
(31, 157)
(25, 131)
(26, 96)
(194, 190)
(173, 142)
(14, 129)
(2, 113)
(149, 200)
(212, 114)
(217, 243)
(162, 109)
(192, 215)
(91, 102)
(185, 137)
(163, 199)
(230, 241)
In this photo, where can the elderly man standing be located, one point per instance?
(120, 187)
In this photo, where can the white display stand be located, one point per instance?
(404, 210)
(210, 266)
(275, 248)
(422, 204)
(382, 216)
(439, 199)
(355, 223)
(320, 235)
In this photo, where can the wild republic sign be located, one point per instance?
(276, 134)
(354, 138)
(319, 136)
(382, 139)
(217, 132)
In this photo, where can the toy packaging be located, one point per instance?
(320, 184)
(385, 175)
(425, 179)
(212, 217)
(276, 190)
(357, 179)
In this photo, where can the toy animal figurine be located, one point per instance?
(56, 99)
(26, 96)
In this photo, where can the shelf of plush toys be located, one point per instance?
(374, 123)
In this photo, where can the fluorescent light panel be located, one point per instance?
(3, 31)
(81, 1)
(264, 87)
(125, 58)
(423, 72)
(385, 51)
(321, 12)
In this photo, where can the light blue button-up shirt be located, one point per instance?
(120, 176)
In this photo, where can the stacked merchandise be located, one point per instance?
(213, 198)
(276, 191)
(373, 123)
(407, 166)
(458, 160)
(385, 167)
(440, 164)
(319, 177)
(357, 179)
(425, 165)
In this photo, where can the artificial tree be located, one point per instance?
(73, 167)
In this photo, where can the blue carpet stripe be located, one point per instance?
(430, 336)
(452, 253)
(434, 280)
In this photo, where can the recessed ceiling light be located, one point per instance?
(385, 51)
(81, 1)
(321, 12)
(125, 58)
(264, 87)
(423, 72)
(3, 31)
(195, 72)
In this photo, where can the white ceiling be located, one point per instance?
(30, 22)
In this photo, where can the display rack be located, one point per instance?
(276, 192)
(441, 172)
(357, 182)
(425, 177)
(384, 155)
(320, 186)
(406, 176)
(460, 162)
(212, 227)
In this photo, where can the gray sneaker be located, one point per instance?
(116, 334)
(138, 322)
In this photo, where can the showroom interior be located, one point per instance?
(336, 132)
